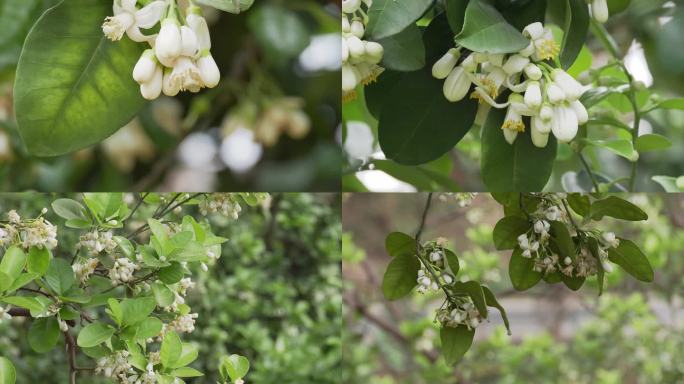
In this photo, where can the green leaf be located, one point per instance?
(521, 271)
(43, 334)
(399, 243)
(575, 31)
(279, 31)
(171, 274)
(5, 281)
(400, 276)
(70, 93)
(389, 17)
(162, 294)
(594, 249)
(507, 231)
(618, 208)
(149, 327)
(170, 349)
(33, 304)
(417, 123)
(455, 342)
(8, 374)
(621, 147)
(652, 142)
(455, 11)
(632, 260)
(38, 260)
(574, 283)
(94, 334)
(126, 247)
(13, 262)
(668, 183)
(404, 51)
(189, 354)
(21, 281)
(186, 372)
(672, 104)
(485, 30)
(60, 276)
(136, 310)
(492, 302)
(232, 6)
(579, 203)
(452, 261)
(474, 290)
(561, 237)
(234, 367)
(69, 209)
(520, 167)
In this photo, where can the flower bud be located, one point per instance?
(457, 85)
(153, 88)
(555, 93)
(599, 10)
(533, 72)
(534, 31)
(209, 71)
(567, 261)
(607, 265)
(145, 68)
(357, 28)
(169, 44)
(349, 78)
(572, 88)
(199, 26)
(346, 28)
(374, 51)
(564, 124)
(515, 64)
(444, 66)
(356, 46)
(533, 96)
(190, 42)
(580, 111)
(350, 6)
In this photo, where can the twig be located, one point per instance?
(71, 355)
(587, 168)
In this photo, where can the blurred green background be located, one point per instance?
(211, 140)
(634, 333)
(274, 296)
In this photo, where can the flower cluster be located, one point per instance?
(599, 10)
(84, 268)
(463, 313)
(435, 273)
(28, 232)
(179, 58)
(95, 242)
(549, 96)
(122, 271)
(224, 203)
(118, 367)
(360, 58)
(463, 199)
(182, 324)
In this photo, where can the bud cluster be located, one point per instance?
(223, 203)
(463, 199)
(95, 242)
(462, 313)
(549, 96)
(28, 233)
(436, 273)
(179, 58)
(122, 271)
(360, 58)
(84, 268)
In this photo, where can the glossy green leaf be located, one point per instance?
(518, 167)
(389, 17)
(574, 283)
(13, 262)
(148, 328)
(404, 51)
(632, 260)
(31, 303)
(618, 208)
(417, 123)
(474, 290)
(21, 281)
(73, 86)
(579, 203)
(521, 271)
(162, 294)
(399, 243)
(189, 353)
(94, 334)
(452, 261)
(575, 31)
(455, 11)
(60, 276)
(234, 367)
(485, 30)
(455, 342)
(561, 237)
(652, 142)
(43, 334)
(400, 276)
(186, 372)
(8, 375)
(136, 310)
(171, 349)
(68, 209)
(668, 183)
(507, 230)
(492, 302)
(38, 260)
(620, 147)
(232, 6)
(171, 274)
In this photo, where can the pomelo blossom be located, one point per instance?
(544, 96)
(179, 58)
(360, 58)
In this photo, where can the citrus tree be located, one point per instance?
(521, 87)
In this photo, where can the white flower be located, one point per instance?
(186, 75)
(13, 217)
(373, 52)
(447, 278)
(122, 271)
(63, 325)
(533, 95)
(610, 238)
(527, 254)
(128, 19)
(209, 71)
(554, 93)
(435, 256)
(607, 265)
(199, 26)
(543, 45)
(541, 226)
(565, 124)
(350, 6)
(553, 213)
(151, 89)
(169, 43)
(580, 111)
(572, 88)
(540, 129)
(515, 64)
(523, 241)
(599, 10)
(533, 72)
(456, 85)
(513, 123)
(357, 29)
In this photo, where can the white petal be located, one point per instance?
(209, 71)
(201, 29)
(190, 43)
(134, 34)
(152, 89)
(150, 14)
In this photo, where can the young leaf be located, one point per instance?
(631, 259)
(652, 142)
(71, 93)
(485, 30)
(492, 302)
(136, 310)
(94, 334)
(521, 272)
(38, 260)
(33, 304)
(518, 167)
(575, 31)
(171, 349)
(188, 354)
(162, 294)
(455, 342)
(60, 276)
(618, 208)
(149, 327)
(20, 281)
(43, 334)
(507, 230)
(474, 290)
(69, 209)
(234, 367)
(171, 274)
(400, 276)
(13, 262)
(389, 17)
(8, 375)
(399, 243)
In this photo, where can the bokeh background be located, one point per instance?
(274, 296)
(647, 33)
(218, 139)
(633, 333)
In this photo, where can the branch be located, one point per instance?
(71, 355)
